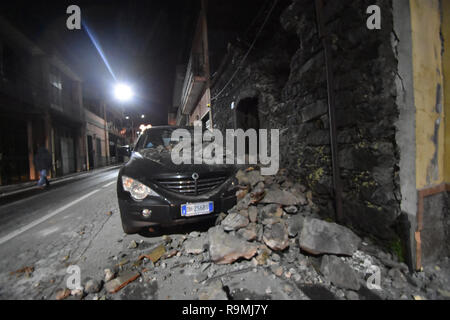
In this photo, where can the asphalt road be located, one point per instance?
(55, 228)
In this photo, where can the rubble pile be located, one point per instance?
(274, 233)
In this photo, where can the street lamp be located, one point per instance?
(123, 92)
(142, 116)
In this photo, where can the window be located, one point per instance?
(55, 88)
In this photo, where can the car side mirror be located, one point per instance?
(125, 150)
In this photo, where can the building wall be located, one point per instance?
(430, 30)
(200, 110)
(428, 86)
(95, 127)
(287, 76)
(445, 29)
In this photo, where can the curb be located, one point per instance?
(31, 185)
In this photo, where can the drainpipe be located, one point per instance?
(331, 110)
(204, 4)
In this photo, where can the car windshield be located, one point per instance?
(155, 137)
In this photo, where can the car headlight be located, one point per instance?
(138, 190)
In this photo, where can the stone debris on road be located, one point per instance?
(271, 245)
(121, 281)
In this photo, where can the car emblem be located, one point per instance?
(195, 177)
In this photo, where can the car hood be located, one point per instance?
(153, 164)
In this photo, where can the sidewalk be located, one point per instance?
(31, 185)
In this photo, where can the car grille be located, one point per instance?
(187, 185)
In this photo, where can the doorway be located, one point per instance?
(90, 152)
(247, 117)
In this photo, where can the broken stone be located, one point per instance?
(275, 257)
(62, 294)
(77, 292)
(240, 194)
(294, 225)
(291, 209)
(244, 213)
(234, 221)
(253, 214)
(194, 234)
(278, 213)
(277, 270)
(263, 256)
(214, 291)
(249, 178)
(258, 190)
(195, 245)
(121, 281)
(319, 237)
(244, 202)
(93, 286)
(249, 233)
(254, 177)
(271, 221)
(132, 245)
(339, 273)
(302, 200)
(109, 275)
(268, 211)
(170, 254)
(276, 237)
(288, 289)
(224, 248)
(220, 218)
(282, 197)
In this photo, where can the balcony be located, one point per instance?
(194, 83)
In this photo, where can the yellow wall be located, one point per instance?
(428, 77)
(446, 63)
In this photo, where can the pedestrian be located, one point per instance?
(43, 163)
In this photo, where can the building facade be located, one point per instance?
(41, 104)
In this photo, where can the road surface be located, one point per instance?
(67, 224)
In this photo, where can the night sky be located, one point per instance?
(142, 41)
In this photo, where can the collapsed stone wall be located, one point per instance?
(287, 75)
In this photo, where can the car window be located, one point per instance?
(152, 138)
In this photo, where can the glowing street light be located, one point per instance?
(142, 116)
(123, 92)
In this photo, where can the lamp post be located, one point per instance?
(124, 93)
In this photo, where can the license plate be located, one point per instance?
(196, 209)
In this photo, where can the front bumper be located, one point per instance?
(167, 212)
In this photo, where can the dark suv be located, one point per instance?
(152, 190)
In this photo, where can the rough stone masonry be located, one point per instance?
(287, 77)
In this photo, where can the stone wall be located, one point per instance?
(435, 234)
(286, 72)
